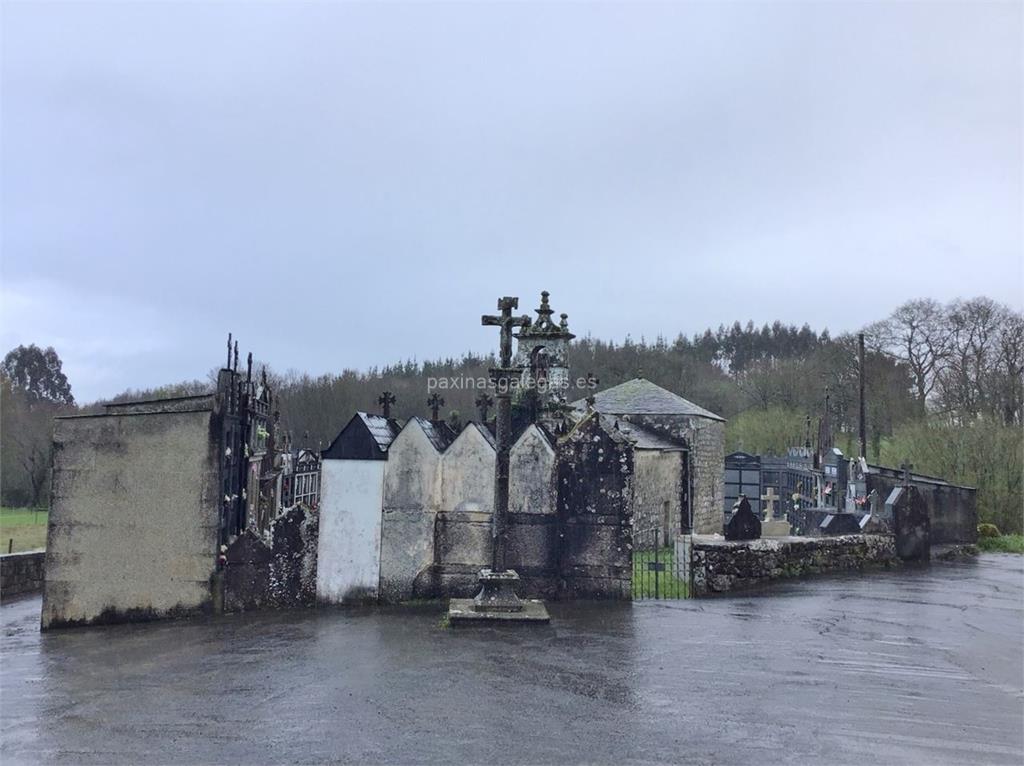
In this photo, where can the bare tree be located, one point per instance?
(916, 333)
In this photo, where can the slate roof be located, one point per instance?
(383, 430)
(642, 438)
(438, 432)
(641, 397)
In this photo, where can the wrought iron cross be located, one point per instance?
(483, 404)
(435, 403)
(506, 322)
(385, 400)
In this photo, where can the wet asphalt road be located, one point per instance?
(919, 666)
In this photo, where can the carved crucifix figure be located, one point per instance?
(435, 403)
(385, 400)
(503, 378)
(483, 405)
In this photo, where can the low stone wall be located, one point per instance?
(21, 573)
(720, 566)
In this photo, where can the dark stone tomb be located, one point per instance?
(910, 523)
(841, 524)
(743, 524)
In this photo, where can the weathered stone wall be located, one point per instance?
(952, 510)
(134, 515)
(412, 482)
(530, 465)
(21, 573)
(351, 505)
(705, 439)
(278, 573)
(719, 566)
(594, 471)
(533, 532)
(707, 458)
(657, 495)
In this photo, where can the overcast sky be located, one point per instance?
(343, 185)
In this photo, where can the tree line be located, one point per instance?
(944, 389)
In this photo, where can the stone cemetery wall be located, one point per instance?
(351, 503)
(719, 566)
(134, 513)
(21, 573)
(952, 509)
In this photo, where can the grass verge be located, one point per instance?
(671, 582)
(22, 529)
(1002, 544)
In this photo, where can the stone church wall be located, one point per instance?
(657, 495)
(706, 441)
(134, 514)
(707, 463)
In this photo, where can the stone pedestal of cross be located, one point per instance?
(772, 527)
(497, 599)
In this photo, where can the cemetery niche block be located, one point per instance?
(743, 524)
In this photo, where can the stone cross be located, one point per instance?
(385, 401)
(483, 404)
(769, 498)
(906, 468)
(506, 322)
(503, 378)
(435, 403)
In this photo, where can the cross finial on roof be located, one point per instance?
(435, 402)
(483, 404)
(385, 400)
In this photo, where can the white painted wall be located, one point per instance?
(351, 501)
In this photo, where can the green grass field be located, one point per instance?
(25, 526)
(668, 584)
(1002, 544)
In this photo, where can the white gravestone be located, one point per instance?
(772, 527)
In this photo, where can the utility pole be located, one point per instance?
(863, 415)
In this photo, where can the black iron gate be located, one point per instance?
(660, 567)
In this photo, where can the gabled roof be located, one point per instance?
(642, 438)
(364, 437)
(484, 431)
(438, 432)
(382, 429)
(641, 397)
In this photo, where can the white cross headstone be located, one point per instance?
(772, 527)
